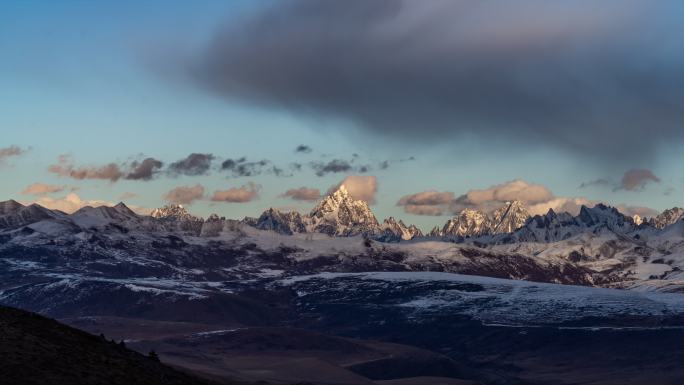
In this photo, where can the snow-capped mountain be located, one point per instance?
(113, 250)
(553, 227)
(549, 227)
(468, 223)
(476, 223)
(605, 216)
(339, 214)
(392, 227)
(667, 217)
(174, 212)
(281, 222)
(14, 214)
(509, 218)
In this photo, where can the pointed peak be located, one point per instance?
(122, 206)
(11, 204)
(341, 192)
(175, 212)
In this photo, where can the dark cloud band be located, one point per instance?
(596, 79)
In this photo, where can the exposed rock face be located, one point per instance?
(553, 227)
(399, 229)
(174, 212)
(509, 218)
(177, 218)
(667, 217)
(336, 215)
(549, 227)
(280, 222)
(468, 223)
(475, 223)
(605, 216)
(340, 215)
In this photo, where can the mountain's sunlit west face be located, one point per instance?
(420, 108)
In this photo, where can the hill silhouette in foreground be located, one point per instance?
(39, 350)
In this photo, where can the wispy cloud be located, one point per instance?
(42, 189)
(143, 170)
(242, 194)
(304, 149)
(632, 180)
(192, 165)
(637, 179)
(185, 194)
(302, 194)
(537, 198)
(600, 182)
(65, 168)
(430, 202)
(11, 151)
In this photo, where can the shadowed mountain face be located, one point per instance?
(37, 350)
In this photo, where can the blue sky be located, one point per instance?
(99, 81)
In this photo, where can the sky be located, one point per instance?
(421, 108)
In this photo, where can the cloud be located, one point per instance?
(637, 179)
(127, 195)
(494, 197)
(145, 169)
(42, 189)
(559, 205)
(11, 151)
(185, 194)
(431, 198)
(601, 182)
(333, 166)
(359, 187)
(339, 166)
(302, 148)
(632, 180)
(573, 75)
(302, 194)
(70, 203)
(429, 210)
(242, 194)
(538, 199)
(192, 165)
(631, 211)
(427, 202)
(66, 168)
(242, 167)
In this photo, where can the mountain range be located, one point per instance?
(339, 215)
(599, 246)
(231, 297)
